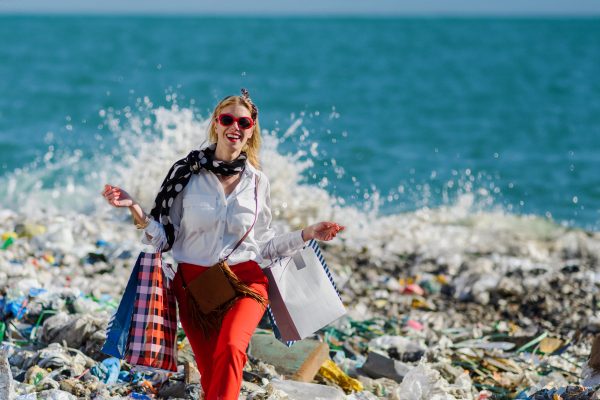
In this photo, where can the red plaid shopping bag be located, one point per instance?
(152, 338)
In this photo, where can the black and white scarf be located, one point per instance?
(178, 177)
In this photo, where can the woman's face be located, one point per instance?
(232, 138)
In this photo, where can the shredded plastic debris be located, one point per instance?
(494, 319)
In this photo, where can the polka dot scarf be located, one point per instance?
(178, 177)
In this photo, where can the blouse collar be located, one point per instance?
(250, 169)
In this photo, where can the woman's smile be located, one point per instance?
(234, 136)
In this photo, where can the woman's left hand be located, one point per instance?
(322, 231)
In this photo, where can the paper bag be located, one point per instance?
(302, 294)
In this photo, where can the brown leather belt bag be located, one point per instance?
(211, 289)
(218, 284)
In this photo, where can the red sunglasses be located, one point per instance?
(243, 122)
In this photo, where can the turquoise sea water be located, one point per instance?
(394, 113)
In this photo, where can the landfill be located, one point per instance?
(460, 301)
(489, 322)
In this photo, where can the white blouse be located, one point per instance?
(208, 224)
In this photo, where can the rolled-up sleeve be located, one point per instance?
(273, 246)
(154, 233)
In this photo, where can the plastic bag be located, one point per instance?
(425, 383)
(331, 371)
(108, 370)
(305, 391)
(54, 394)
(7, 387)
(590, 376)
(28, 396)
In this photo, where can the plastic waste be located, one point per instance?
(193, 391)
(426, 383)
(379, 387)
(101, 371)
(347, 365)
(7, 387)
(362, 396)
(28, 396)
(134, 395)
(77, 330)
(412, 295)
(272, 393)
(85, 306)
(590, 376)
(125, 377)
(35, 374)
(55, 394)
(29, 229)
(331, 371)
(7, 243)
(54, 356)
(380, 366)
(301, 391)
(173, 387)
(403, 346)
(108, 370)
(413, 289)
(414, 324)
(16, 307)
(7, 235)
(137, 377)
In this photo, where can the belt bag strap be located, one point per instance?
(255, 216)
(243, 237)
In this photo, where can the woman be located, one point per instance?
(205, 206)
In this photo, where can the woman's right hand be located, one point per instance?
(117, 197)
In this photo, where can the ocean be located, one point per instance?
(371, 122)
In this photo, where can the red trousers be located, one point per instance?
(221, 359)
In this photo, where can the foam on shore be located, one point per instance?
(468, 223)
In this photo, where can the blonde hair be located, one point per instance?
(252, 146)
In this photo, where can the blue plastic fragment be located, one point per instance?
(101, 371)
(101, 242)
(521, 396)
(35, 291)
(124, 377)
(108, 370)
(113, 366)
(138, 376)
(134, 395)
(15, 307)
(105, 297)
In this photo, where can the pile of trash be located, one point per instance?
(474, 325)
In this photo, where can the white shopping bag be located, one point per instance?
(302, 294)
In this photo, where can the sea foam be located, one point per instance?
(468, 223)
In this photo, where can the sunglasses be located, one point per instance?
(243, 122)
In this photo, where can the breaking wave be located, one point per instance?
(448, 224)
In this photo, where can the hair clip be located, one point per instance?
(246, 96)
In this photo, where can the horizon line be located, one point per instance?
(362, 15)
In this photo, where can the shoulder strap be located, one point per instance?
(255, 216)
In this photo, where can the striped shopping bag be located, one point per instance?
(152, 341)
(117, 332)
(302, 294)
